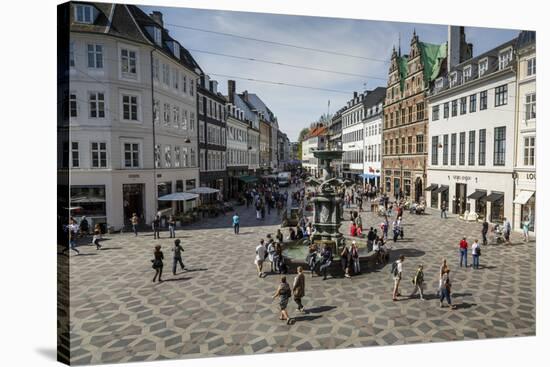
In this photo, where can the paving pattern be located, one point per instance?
(219, 306)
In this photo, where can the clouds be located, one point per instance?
(296, 107)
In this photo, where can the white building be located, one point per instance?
(525, 172)
(362, 136)
(316, 139)
(471, 134)
(129, 142)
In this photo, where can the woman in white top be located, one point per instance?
(475, 254)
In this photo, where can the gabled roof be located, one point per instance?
(317, 131)
(241, 104)
(258, 105)
(374, 97)
(432, 57)
(526, 38)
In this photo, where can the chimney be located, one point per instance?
(245, 95)
(214, 86)
(206, 82)
(453, 47)
(354, 95)
(231, 88)
(157, 17)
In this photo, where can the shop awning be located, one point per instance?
(247, 179)
(179, 196)
(204, 190)
(477, 195)
(494, 196)
(441, 188)
(431, 187)
(523, 197)
(368, 176)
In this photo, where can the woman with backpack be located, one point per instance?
(283, 292)
(445, 290)
(476, 252)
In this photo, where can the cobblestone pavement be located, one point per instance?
(220, 307)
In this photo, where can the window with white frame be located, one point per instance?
(202, 160)
(157, 35)
(167, 156)
(71, 54)
(530, 106)
(176, 79)
(156, 69)
(184, 120)
(483, 66)
(157, 156)
(201, 131)
(84, 13)
(99, 155)
(504, 58)
(73, 106)
(467, 73)
(95, 56)
(191, 87)
(501, 95)
(192, 121)
(166, 113)
(185, 160)
(454, 78)
(177, 156)
(529, 151)
(75, 155)
(131, 155)
(166, 74)
(97, 105)
(176, 116)
(156, 111)
(532, 66)
(128, 62)
(129, 107)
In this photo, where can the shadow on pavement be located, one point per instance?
(306, 318)
(320, 309)
(464, 305)
(177, 279)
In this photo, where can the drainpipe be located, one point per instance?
(516, 131)
(155, 188)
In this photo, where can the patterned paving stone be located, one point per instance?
(220, 307)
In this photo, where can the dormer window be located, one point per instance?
(504, 58)
(157, 35)
(467, 73)
(454, 78)
(84, 13)
(439, 83)
(176, 50)
(483, 66)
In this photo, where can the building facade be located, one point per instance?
(525, 142)
(372, 126)
(405, 131)
(471, 135)
(335, 139)
(212, 126)
(353, 138)
(316, 139)
(130, 105)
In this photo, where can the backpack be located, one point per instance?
(394, 268)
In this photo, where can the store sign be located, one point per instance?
(461, 178)
(133, 176)
(531, 176)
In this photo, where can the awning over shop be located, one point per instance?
(179, 196)
(476, 195)
(431, 187)
(368, 176)
(441, 188)
(494, 196)
(523, 197)
(247, 179)
(204, 190)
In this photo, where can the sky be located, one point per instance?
(295, 107)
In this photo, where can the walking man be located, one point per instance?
(260, 257)
(236, 221)
(397, 272)
(73, 232)
(463, 245)
(177, 250)
(484, 231)
(298, 288)
(444, 209)
(418, 282)
(445, 291)
(172, 226)
(156, 227)
(507, 230)
(475, 254)
(135, 221)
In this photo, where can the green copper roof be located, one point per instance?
(403, 69)
(432, 57)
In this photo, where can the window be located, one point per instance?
(420, 144)
(501, 95)
(156, 69)
(192, 121)
(177, 156)
(504, 59)
(435, 113)
(167, 156)
(166, 74)
(71, 54)
(410, 144)
(463, 103)
(75, 156)
(435, 143)
(481, 159)
(156, 111)
(193, 158)
(471, 148)
(184, 83)
(128, 62)
(454, 78)
(483, 66)
(499, 155)
(176, 116)
(157, 35)
(97, 105)
(184, 120)
(529, 151)
(176, 79)
(201, 131)
(166, 113)
(445, 149)
(191, 87)
(532, 66)
(530, 106)
(419, 111)
(131, 155)
(462, 149)
(83, 13)
(99, 155)
(467, 72)
(454, 108)
(73, 107)
(403, 116)
(473, 103)
(95, 56)
(129, 107)
(453, 149)
(483, 100)
(157, 156)
(446, 110)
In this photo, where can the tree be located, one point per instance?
(301, 137)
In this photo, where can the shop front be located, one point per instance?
(89, 201)
(526, 202)
(480, 204)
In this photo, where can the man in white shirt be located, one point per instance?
(397, 274)
(260, 256)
